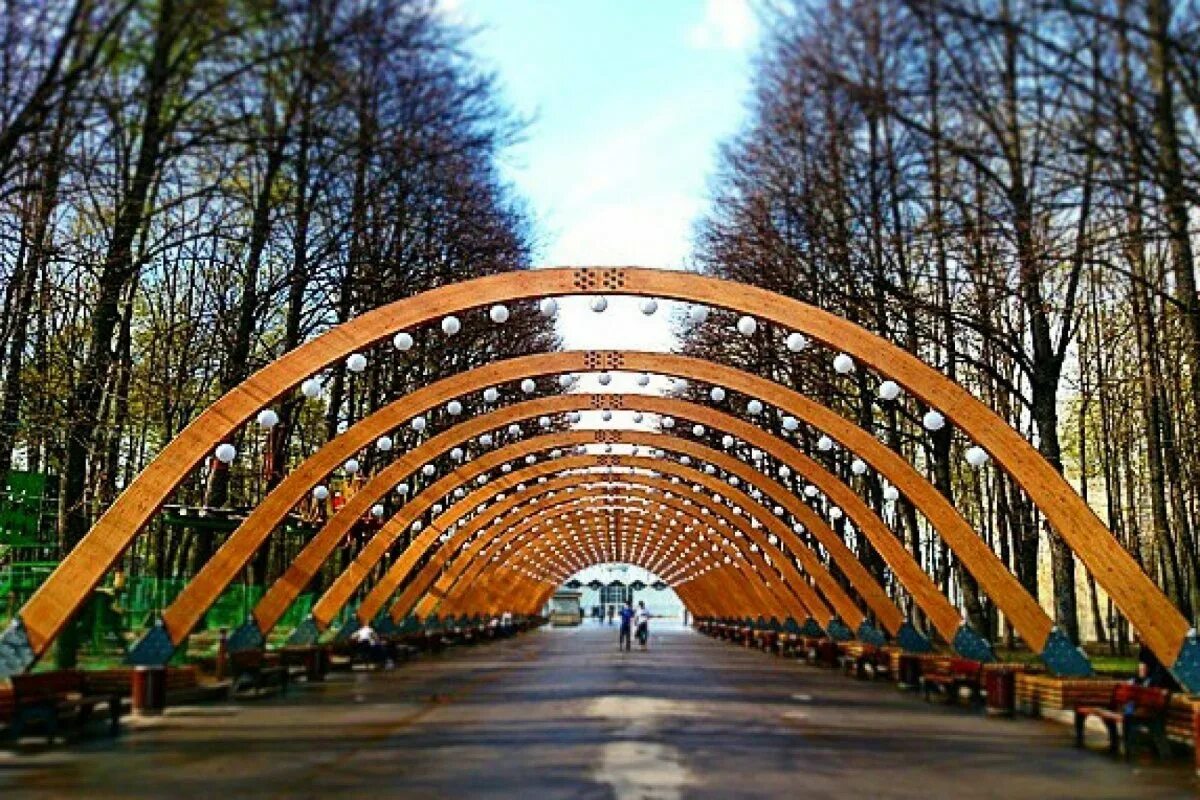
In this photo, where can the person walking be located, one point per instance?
(612, 610)
(624, 639)
(641, 625)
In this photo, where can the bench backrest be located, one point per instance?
(40, 686)
(966, 667)
(246, 659)
(1146, 699)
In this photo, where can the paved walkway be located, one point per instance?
(561, 714)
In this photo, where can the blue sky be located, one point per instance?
(629, 100)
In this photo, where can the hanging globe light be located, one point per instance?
(267, 418)
(606, 415)
(418, 424)
(548, 307)
(320, 493)
(810, 491)
(457, 454)
(835, 513)
(225, 453)
(637, 417)
(599, 303)
(604, 378)
(351, 466)
(403, 341)
(356, 362)
(643, 380)
(514, 430)
(697, 315)
(451, 325)
(490, 395)
(891, 494)
(747, 325)
(825, 444)
(428, 470)
(858, 466)
(574, 417)
(528, 386)
(498, 313)
(697, 430)
(544, 422)
(785, 471)
(933, 420)
(668, 422)
(311, 388)
(649, 306)
(843, 364)
(565, 381)
(377, 510)
(796, 342)
(454, 408)
(486, 440)
(754, 407)
(717, 394)
(977, 456)
(889, 390)
(402, 489)
(384, 443)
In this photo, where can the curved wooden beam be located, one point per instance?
(1160, 624)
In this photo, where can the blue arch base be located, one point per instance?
(306, 632)
(870, 634)
(246, 637)
(969, 644)
(838, 631)
(912, 640)
(811, 628)
(154, 649)
(1186, 668)
(1064, 658)
(16, 655)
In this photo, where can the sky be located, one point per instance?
(628, 101)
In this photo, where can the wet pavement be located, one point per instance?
(562, 714)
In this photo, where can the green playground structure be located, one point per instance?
(124, 606)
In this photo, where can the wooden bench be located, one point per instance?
(251, 669)
(952, 676)
(856, 657)
(57, 698)
(1130, 709)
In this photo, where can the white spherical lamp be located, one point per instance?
(796, 342)
(454, 408)
(548, 307)
(858, 466)
(891, 494)
(754, 407)
(727, 441)
(384, 443)
(717, 394)
(835, 513)
(697, 430)
(320, 493)
(889, 390)
(418, 424)
(267, 418)
(604, 378)
(790, 424)
(356, 362)
(933, 420)
(643, 380)
(747, 325)
(529, 386)
(697, 315)
(599, 303)
(843, 364)
(977, 456)
(377, 510)
(825, 444)
(638, 417)
(225, 453)
(648, 306)
(810, 491)
(402, 489)
(311, 388)
(451, 325)
(457, 454)
(351, 466)
(486, 440)
(490, 395)
(403, 341)
(498, 314)
(428, 470)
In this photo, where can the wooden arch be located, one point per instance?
(582, 487)
(720, 525)
(1161, 625)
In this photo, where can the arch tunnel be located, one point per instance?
(748, 526)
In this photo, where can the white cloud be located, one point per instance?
(727, 25)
